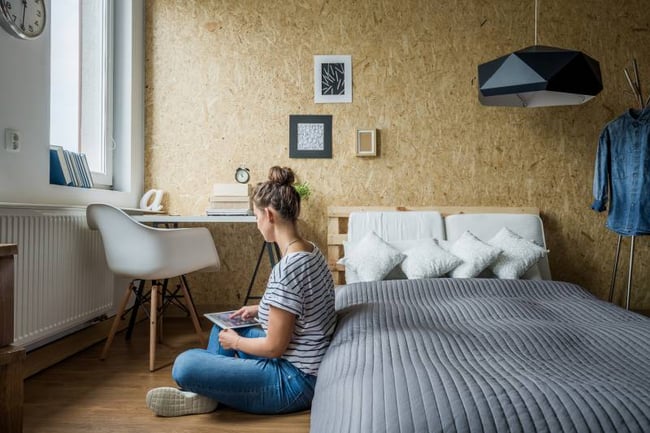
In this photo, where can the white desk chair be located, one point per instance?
(140, 252)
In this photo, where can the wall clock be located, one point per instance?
(24, 19)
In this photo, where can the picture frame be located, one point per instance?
(310, 136)
(366, 142)
(333, 79)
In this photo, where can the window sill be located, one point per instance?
(51, 207)
(96, 186)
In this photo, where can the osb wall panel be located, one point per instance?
(222, 78)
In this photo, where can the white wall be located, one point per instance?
(24, 105)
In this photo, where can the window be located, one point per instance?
(81, 82)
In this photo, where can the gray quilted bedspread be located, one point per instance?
(482, 356)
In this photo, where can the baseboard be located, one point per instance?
(55, 352)
(644, 312)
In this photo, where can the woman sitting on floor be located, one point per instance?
(269, 369)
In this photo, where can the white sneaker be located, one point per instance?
(168, 401)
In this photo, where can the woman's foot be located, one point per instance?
(168, 401)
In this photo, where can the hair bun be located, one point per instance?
(279, 193)
(281, 175)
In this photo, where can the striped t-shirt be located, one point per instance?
(301, 283)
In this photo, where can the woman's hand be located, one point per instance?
(273, 345)
(246, 312)
(229, 339)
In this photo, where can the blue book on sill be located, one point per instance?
(57, 176)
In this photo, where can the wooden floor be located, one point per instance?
(84, 394)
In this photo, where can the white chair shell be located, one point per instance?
(140, 252)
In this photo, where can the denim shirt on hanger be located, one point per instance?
(623, 168)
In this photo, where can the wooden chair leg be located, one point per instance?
(153, 326)
(116, 321)
(161, 303)
(192, 310)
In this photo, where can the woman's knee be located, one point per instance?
(185, 366)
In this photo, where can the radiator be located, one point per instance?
(61, 278)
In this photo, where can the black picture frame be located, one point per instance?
(310, 136)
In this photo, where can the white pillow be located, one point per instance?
(428, 260)
(476, 255)
(517, 256)
(372, 258)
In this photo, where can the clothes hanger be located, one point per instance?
(636, 85)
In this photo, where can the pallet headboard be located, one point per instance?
(337, 225)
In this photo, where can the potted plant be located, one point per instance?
(303, 189)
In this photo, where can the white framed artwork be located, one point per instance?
(366, 142)
(332, 79)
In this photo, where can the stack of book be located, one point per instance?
(69, 168)
(230, 199)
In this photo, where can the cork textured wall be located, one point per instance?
(222, 78)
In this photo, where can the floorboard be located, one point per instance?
(84, 394)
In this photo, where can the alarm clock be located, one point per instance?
(242, 175)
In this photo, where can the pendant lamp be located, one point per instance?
(539, 76)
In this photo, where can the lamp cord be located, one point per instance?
(536, 14)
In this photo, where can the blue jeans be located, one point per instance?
(241, 381)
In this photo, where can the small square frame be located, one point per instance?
(327, 70)
(310, 136)
(366, 142)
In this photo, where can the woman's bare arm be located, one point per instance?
(278, 336)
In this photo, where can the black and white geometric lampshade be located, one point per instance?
(539, 76)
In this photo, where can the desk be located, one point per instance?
(176, 219)
(173, 220)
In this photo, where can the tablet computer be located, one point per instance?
(223, 320)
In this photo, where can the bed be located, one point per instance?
(480, 354)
